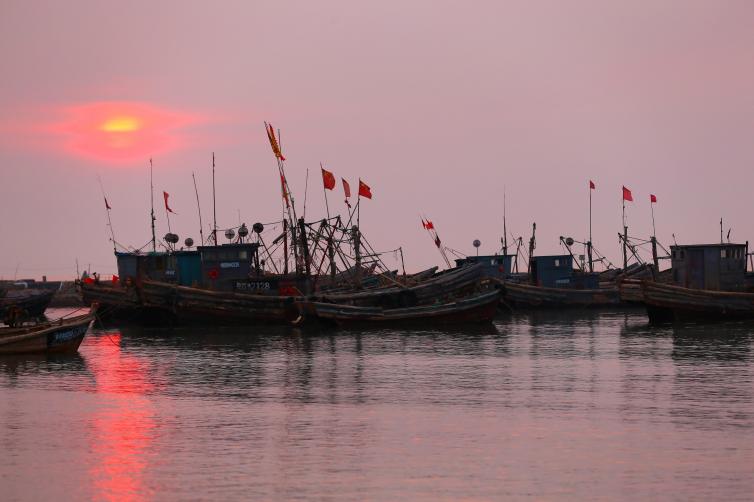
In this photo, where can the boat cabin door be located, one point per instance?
(695, 270)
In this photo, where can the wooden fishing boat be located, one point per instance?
(630, 292)
(117, 301)
(666, 303)
(62, 335)
(479, 308)
(29, 303)
(158, 301)
(188, 304)
(530, 296)
(451, 283)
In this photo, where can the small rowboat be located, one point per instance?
(62, 335)
(480, 308)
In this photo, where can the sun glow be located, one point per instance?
(122, 132)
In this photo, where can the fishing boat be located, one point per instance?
(455, 282)
(668, 303)
(706, 281)
(256, 278)
(27, 303)
(62, 335)
(189, 304)
(555, 283)
(531, 296)
(479, 308)
(195, 305)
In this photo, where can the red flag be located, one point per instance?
(327, 178)
(627, 195)
(346, 188)
(274, 142)
(167, 208)
(115, 279)
(652, 198)
(107, 206)
(285, 191)
(591, 185)
(364, 190)
(430, 225)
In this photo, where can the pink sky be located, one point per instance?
(437, 105)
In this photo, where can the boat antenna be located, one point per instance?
(589, 242)
(107, 210)
(151, 191)
(505, 227)
(306, 189)
(199, 208)
(625, 232)
(214, 202)
(721, 230)
(532, 244)
(324, 190)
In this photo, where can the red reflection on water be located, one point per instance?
(124, 429)
(116, 131)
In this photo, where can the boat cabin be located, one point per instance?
(157, 266)
(206, 266)
(717, 267)
(222, 267)
(497, 265)
(556, 271)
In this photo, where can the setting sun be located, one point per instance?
(121, 124)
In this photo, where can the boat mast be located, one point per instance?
(151, 192)
(214, 202)
(653, 240)
(199, 208)
(505, 228)
(532, 244)
(589, 242)
(107, 210)
(625, 236)
(721, 231)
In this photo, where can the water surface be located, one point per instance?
(581, 406)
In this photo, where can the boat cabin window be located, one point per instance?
(557, 263)
(723, 253)
(243, 255)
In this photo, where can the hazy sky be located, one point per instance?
(437, 105)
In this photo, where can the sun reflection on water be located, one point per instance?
(124, 429)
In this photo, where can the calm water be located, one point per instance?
(552, 406)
